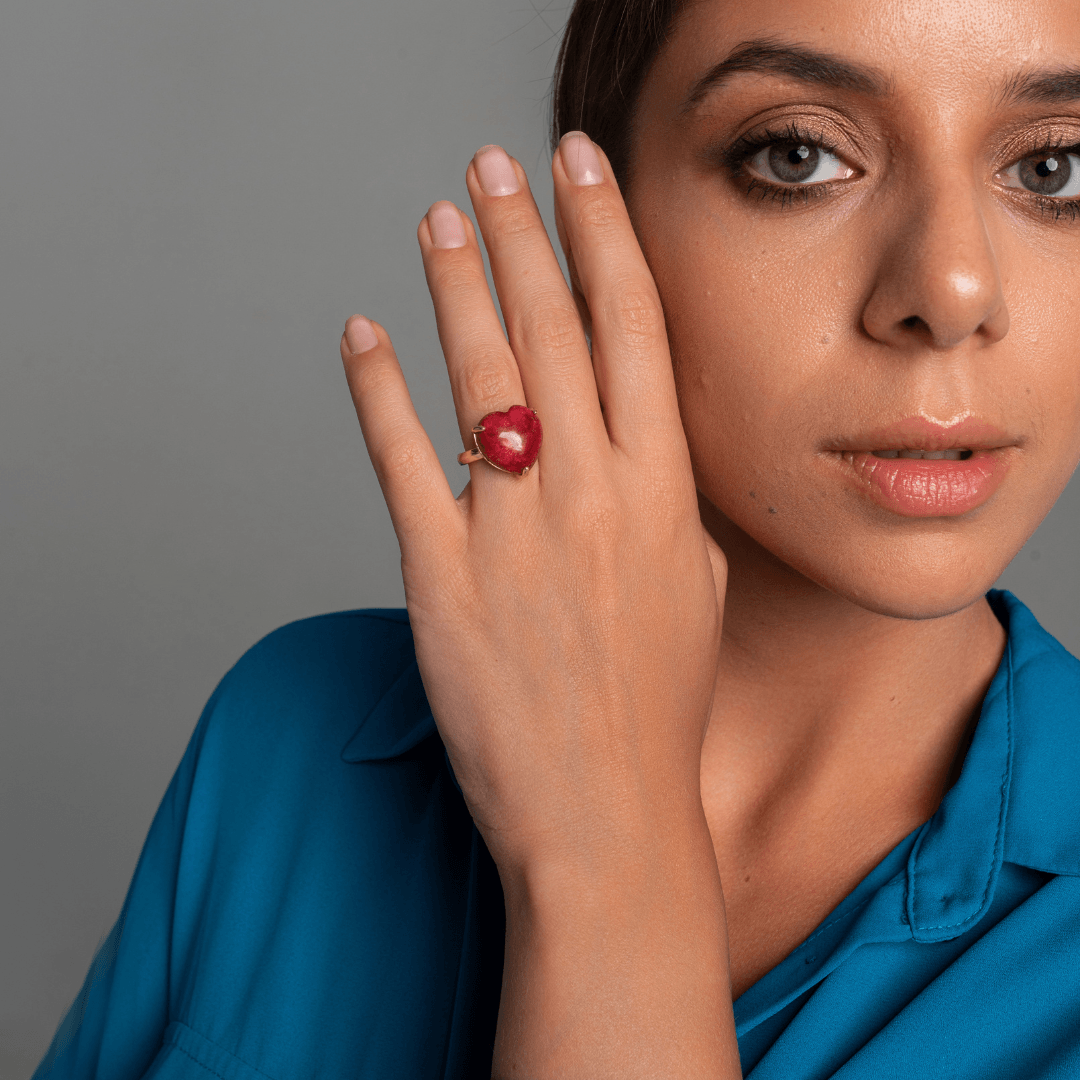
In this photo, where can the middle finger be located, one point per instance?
(541, 318)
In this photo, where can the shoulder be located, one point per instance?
(344, 657)
(288, 887)
(310, 685)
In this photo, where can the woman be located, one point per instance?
(762, 780)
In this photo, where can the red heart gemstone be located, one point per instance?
(510, 440)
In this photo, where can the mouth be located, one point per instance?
(912, 454)
(921, 468)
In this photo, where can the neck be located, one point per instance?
(817, 695)
(834, 733)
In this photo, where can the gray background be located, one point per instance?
(193, 197)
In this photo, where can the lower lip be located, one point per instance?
(915, 487)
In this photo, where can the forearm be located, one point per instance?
(619, 970)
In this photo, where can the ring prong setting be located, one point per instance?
(509, 441)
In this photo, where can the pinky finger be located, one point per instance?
(422, 507)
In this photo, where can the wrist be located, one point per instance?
(620, 868)
(618, 965)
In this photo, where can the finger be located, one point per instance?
(483, 372)
(542, 323)
(575, 281)
(630, 352)
(421, 505)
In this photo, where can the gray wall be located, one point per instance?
(193, 197)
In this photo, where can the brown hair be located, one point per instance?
(606, 51)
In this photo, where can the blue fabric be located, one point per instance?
(314, 901)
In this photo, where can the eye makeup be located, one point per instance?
(791, 163)
(804, 164)
(1050, 179)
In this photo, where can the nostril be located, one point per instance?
(913, 322)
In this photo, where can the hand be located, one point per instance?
(567, 623)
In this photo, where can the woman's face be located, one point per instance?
(865, 228)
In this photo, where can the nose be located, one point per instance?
(937, 282)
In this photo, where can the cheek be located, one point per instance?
(1040, 374)
(755, 333)
(1044, 336)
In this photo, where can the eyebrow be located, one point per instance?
(1042, 87)
(767, 56)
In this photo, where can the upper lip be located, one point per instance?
(919, 433)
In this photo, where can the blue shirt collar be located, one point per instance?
(1018, 795)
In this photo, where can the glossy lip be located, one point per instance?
(915, 487)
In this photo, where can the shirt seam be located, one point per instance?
(202, 1064)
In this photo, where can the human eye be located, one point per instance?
(1051, 174)
(787, 165)
(798, 161)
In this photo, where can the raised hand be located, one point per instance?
(567, 624)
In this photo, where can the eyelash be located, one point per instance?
(737, 155)
(1055, 208)
(787, 195)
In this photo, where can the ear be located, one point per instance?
(575, 283)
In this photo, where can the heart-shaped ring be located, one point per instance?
(510, 441)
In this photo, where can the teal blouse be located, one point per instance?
(313, 900)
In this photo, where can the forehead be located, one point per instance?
(980, 48)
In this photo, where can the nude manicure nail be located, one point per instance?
(495, 171)
(580, 159)
(360, 335)
(447, 229)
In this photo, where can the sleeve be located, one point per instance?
(302, 899)
(115, 1026)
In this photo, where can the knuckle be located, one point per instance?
(515, 222)
(403, 459)
(484, 381)
(553, 328)
(371, 377)
(634, 312)
(456, 275)
(597, 211)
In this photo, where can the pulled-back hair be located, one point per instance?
(606, 51)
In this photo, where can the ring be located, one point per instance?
(510, 441)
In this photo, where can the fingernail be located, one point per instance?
(580, 159)
(447, 229)
(495, 171)
(360, 335)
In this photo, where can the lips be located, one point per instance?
(920, 468)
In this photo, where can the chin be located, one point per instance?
(900, 568)
(911, 590)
